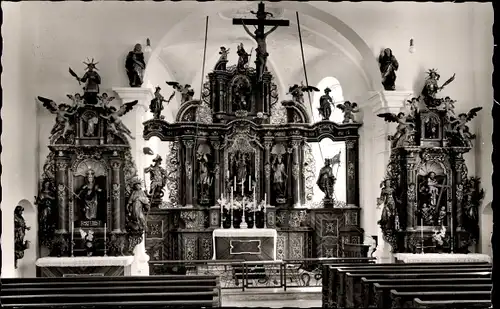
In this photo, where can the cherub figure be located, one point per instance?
(297, 91)
(186, 91)
(221, 63)
(62, 125)
(88, 241)
(116, 125)
(348, 109)
(414, 106)
(104, 100)
(77, 101)
(459, 126)
(405, 125)
(449, 107)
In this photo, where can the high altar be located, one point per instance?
(238, 178)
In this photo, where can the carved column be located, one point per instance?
(218, 177)
(115, 193)
(352, 171)
(267, 169)
(188, 172)
(296, 143)
(62, 165)
(460, 176)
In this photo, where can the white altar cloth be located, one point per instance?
(85, 261)
(442, 258)
(245, 233)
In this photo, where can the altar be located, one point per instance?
(245, 244)
(85, 266)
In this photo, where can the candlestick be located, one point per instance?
(452, 234)
(221, 216)
(72, 236)
(231, 217)
(422, 233)
(243, 224)
(105, 239)
(254, 209)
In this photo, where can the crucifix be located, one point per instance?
(260, 35)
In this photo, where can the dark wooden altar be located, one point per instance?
(227, 144)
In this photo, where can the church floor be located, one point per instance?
(273, 298)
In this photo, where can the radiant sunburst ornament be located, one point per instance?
(91, 64)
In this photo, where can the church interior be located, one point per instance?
(232, 153)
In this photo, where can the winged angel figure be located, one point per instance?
(297, 91)
(348, 109)
(116, 125)
(459, 126)
(186, 91)
(63, 124)
(406, 124)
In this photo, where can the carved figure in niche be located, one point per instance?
(158, 176)
(388, 218)
(104, 100)
(90, 120)
(405, 125)
(115, 245)
(186, 91)
(348, 109)
(91, 197)
(77, 101)
(221, 63)
(205, 178)
(92, 81)
(261, 51)
(46, 202)
(388, 67)
(115, 124)
(243, 57)
(297, 91)
(20, 229)
(241, 168)
(460, 129)
(156, 105)
(431, 128)
(325, 105)
(137, 207)
(427, 214)
(135, 66)
(414, 107)
(431, 88)
(430, 189)
(240, 95)
(63, 124)
(442, 216)
(88, 241)
(279, 177)
(326, 180)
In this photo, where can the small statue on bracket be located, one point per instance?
(137, 207)
(221, 63)
(405, 126)
(156, 105)
(349, 109)
(186, 91)
(158, 176)
(388, 67)
(460, 129)
(63, 124)
(325, 105)
(20, 228)
(135, 66)
(88, 241)
(431, 88)
(297, 91)
(92, 80)
(116, 126)
(243, 57)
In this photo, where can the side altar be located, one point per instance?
(241, 161)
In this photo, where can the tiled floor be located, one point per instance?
(273, 298)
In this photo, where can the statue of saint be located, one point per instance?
(90, 197)
(92, 80)
(204, 180)
(429, 188)
(135, 66)
(325, 102)
(158, 176)
(279, 177)
(137, 207)
(20, 229)
(242, 57)
(387, 220)
(46, 202)
(326, 180)
(156, 105)
(388, 67)
(241, 167)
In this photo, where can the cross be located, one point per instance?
(261, 20)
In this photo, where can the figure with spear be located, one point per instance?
(92, 81)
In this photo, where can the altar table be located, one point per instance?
(85, 266)
(245, 244)
(441, 258)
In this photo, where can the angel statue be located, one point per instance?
(349, 109)
(77, 101)
(388, 67)
(460, 128)
(405, 126)
(297, 91)
(431, 88)
(20, 228)
(388, 218)
(116, 125)
(135, 66)
(325, 103)
(186, 91)
(92, 80)
(104, 100)
(88, 241)
(137, 207)
(243, 57)
(63, 124)
(221, 63)
(156, 105)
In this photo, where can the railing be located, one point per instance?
(240, 274)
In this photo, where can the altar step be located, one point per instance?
(309, 297)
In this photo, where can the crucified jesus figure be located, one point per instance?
(261, 51)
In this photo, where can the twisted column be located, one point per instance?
(62, 194)
(267, 169)
(188, 169)
(116, 193)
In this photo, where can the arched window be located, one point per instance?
(336, 94)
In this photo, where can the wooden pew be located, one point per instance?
(456, 304)
(143, 304)
(352, 281)
(376, 292)
(405, 299)
(381, 298)
(335, 288)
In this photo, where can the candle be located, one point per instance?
(422, 228)
(231, 217)
(72, 235)
(265, 199)
(227, 173)
(249, 183)
(104, 233)
(234, 183)
(242, 188)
